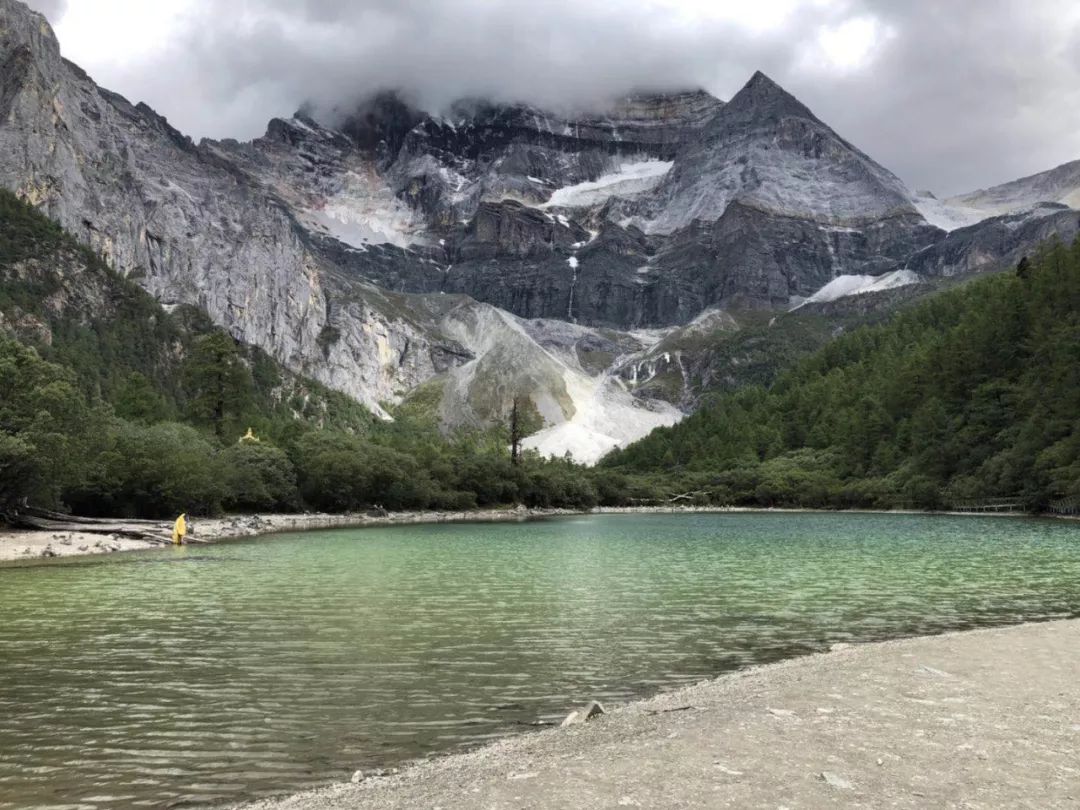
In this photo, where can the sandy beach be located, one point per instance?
(981, 719)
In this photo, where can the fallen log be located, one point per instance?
(141, 530)
(46, 514)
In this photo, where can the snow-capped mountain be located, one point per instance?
(494, 251)
(766, 150)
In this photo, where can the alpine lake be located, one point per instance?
(216, 674)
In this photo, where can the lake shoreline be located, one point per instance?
(24, 544)
(928, 720)
(21, 544)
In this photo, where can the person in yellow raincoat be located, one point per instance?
(179, 530)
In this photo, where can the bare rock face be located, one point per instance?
(998, 241)
(512, 229)
(1060, 184)
(481, 151)
(755, 258)
(671, 204)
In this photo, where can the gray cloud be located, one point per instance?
(953, 96)
(968, 93)
(52, 9)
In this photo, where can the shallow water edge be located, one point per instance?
(676, 749)
(19, 544)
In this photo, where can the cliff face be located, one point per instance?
(189, 224)
(999, 241)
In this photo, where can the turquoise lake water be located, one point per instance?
(213, 674)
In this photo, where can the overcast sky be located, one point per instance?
(951, 95)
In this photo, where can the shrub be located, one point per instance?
(256, 476)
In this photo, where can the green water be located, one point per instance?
(219, 673)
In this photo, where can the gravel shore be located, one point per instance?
(982, 719)
(17, 544)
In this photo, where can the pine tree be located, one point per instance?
(217, 382)
(1023, 268)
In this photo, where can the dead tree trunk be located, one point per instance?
(515, 433)
(44, 520)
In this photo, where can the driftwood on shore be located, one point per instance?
(43, 520)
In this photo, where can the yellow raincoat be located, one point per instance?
(179, 529)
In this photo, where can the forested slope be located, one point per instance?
(974, 393)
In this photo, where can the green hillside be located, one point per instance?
(972, 394)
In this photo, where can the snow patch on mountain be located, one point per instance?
(364, 212)
(946, 215)
(1019, 219)
(630, 180)
(712, 319)
(650, 337)
(843, 286)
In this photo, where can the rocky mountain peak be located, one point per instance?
(760, 101)
(379, 123)
(761, 86)
(767, 150)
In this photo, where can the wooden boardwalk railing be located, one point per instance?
(990, 505)
(1065, 506)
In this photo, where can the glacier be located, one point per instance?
(629, 180)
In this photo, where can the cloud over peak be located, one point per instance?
(948, 95)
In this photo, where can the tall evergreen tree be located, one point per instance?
(217, 381)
